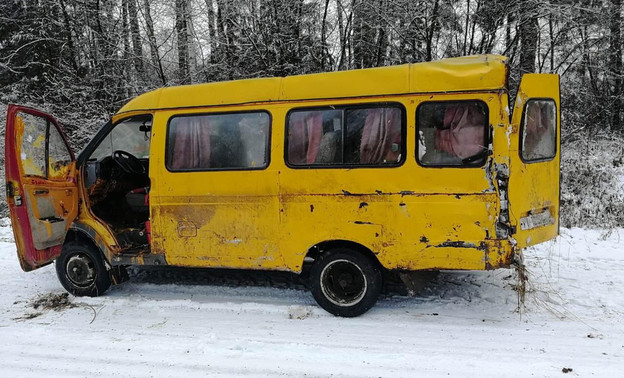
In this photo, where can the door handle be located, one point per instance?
(39, 192)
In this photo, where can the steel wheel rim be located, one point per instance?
(80, 270)
(343, 283)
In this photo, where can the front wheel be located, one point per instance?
(81, 270)
(345, 283)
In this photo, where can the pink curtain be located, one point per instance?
(191, 147)
(305, 131)
(382, 129)
(463, 131)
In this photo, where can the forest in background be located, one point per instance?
(83, 59)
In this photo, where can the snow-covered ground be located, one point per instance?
(187, 323)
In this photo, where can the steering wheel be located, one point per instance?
(128, 163)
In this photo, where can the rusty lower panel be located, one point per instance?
(499, 253)
(108, 251)
(115, 255)
(141, 258)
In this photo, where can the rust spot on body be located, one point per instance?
(459, 244)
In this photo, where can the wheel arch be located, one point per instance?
(325, 246)
(83, 233)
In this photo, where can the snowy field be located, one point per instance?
(190, 323)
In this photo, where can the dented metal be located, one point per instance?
(410, 217)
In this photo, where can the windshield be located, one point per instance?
(131, 135)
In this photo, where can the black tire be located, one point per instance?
(81, 270)
(345, 283)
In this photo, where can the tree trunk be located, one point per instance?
(364, 34)
(181, 11)
(431, 31)
(125, 30)
(136, 38)
(149, 23)
(226, 37)
(70, 40)
(382, 38)
(473, 28)
(615, 63)
(212, 31)
(466, 27)
(529, 30)
(324, 58)
(342, 35)
(551, 33)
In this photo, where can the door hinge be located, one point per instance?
(10, 190)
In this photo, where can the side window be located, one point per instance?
(33, 144)
(348, 136)
(36, 161)
(130, 135)
(539, 130)
(452, 133)
(218, 141)
(58, 155)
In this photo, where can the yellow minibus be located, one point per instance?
(416, 167)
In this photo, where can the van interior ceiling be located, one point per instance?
(117, 181)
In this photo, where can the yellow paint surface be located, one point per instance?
(534, 186)
(473, 73)
(52, 201)
(411, 217)
(269, 219)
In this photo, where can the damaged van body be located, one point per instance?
(406, 168)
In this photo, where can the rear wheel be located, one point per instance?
(345, 283)
(81, 270)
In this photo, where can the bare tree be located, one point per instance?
(137, 46)
(615, 62)
(151, 38)
(181, 25)
(529, 29)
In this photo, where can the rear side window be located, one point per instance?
(367, 136)
(539, 131)
(218, 141)
(452, 133)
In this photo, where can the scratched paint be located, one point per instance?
(411, 217)
(287, 211)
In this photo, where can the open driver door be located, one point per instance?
(41, 188)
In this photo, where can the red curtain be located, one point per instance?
(382, 129)
(463, 131)
(305, 131)
(191, 143)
